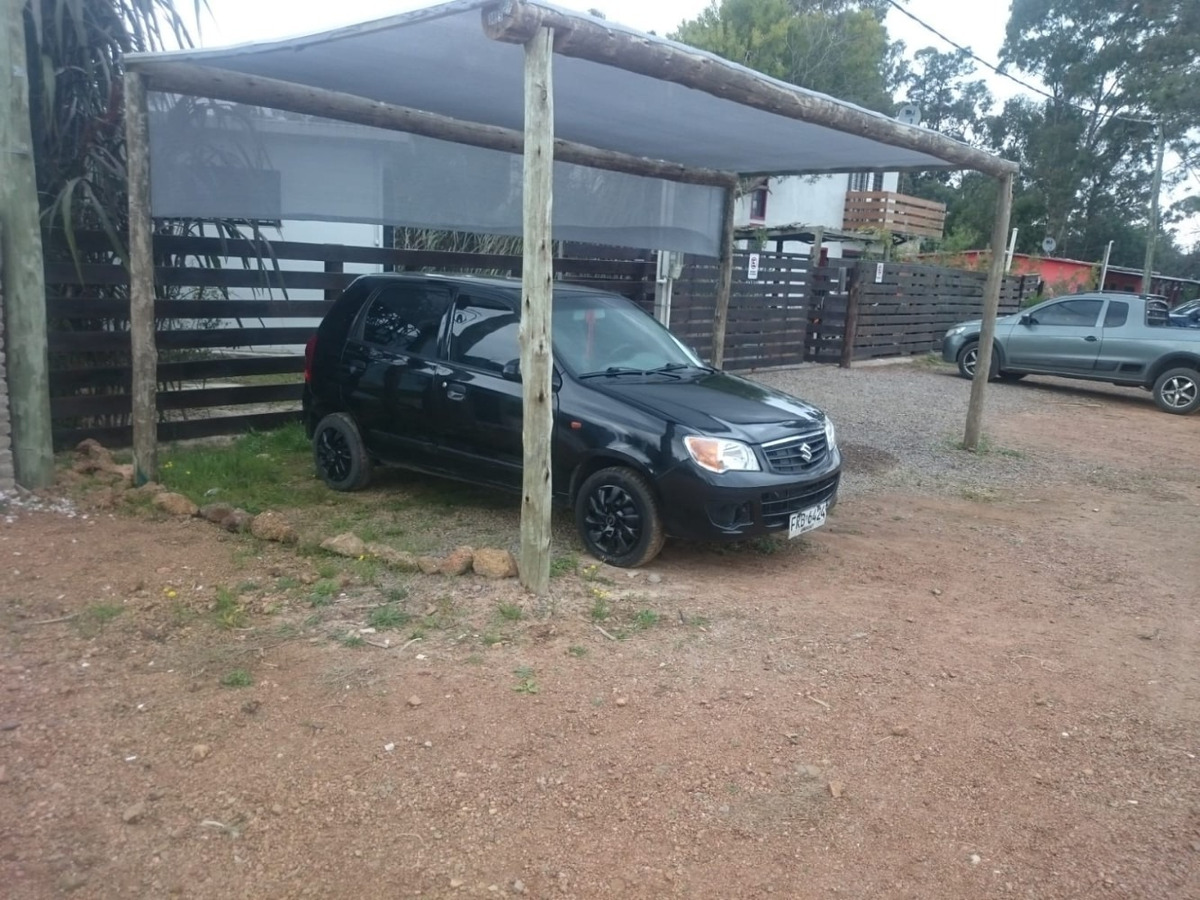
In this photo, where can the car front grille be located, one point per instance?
(793, 455)
(777, 506)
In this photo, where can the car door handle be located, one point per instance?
(455, 391)
(1091, 339)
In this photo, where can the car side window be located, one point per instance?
(406, 318)
(484, 334)
(1117, 314)
(1080, 313)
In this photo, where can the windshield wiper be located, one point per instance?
(613, 371)
(675, 367)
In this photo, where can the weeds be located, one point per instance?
(511, 612)
(238, 678)
(526, 683)
(576, 651)
(564, 565)
(228, 611)
(388, 617)
(93, 619)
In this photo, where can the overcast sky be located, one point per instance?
(977, 24)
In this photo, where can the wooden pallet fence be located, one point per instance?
(227, 365)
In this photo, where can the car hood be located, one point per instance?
(1011, 319)
(718, 404)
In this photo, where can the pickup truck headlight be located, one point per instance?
(830, 433)
(720, 455)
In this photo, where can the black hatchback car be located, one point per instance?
(422, 371)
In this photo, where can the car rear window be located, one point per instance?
(484, 334)
(1117, 314)
(405, 318)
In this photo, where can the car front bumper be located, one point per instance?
(701, 506)
(953, 344)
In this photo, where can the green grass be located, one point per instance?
(600, 610)
(258, 471)
(387, 618)
(238, 678)
(577, 651)
(228, 612)
(564, 565)
(352, 640)
(526, 682)
(646, 618)
(511, 611)
(323, 592)
(93, 619)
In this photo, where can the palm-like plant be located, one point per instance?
(75, 50)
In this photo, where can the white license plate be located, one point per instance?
(807, 520)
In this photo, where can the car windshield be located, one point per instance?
(597, 335)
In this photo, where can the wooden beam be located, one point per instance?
(514, 21)
(220, 84)
(991, 303)
(141, 282)
(724, 279)
(851, 333)
(22, 292)
(537, 291)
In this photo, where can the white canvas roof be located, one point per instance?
(440, 60)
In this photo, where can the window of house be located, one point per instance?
(484, 334)
(405, 318)
(758, 204)
(866, 181)
(1079, 313)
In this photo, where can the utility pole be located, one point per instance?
(24, 289)
(1152, 230)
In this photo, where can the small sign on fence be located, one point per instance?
(752, 267)
(879, 273)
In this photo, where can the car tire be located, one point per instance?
(618, 519)
(339, 455)
(1177, 391)
(1011, 376)
(966, 361)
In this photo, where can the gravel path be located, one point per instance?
(900, 426)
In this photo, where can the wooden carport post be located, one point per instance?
(141, 282)
(991, 303)
(724, 278)
(537, 290)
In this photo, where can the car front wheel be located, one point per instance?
(968, 356)
(618, 518)
(338, 452)
(1178, 391)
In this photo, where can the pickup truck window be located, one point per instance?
(1117, 314)
(1081, 313)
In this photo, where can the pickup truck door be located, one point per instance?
(1121, 354)
(1061, 336)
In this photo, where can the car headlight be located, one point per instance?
(720, 455)
(830, 433)
(956, 330)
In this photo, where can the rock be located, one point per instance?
(276, 810)
(393, 558)
(217, 513)
(72, 881)
(347, 544)
(492, 563)
(239, 520)
(458, 562)
(621, 701)
(309, 578)
(518, 886)
(414, 701)
(272, 526)
(134, 814)
(201, 752)
(654, 578)
(836, 789)
(456, 883)
(150, 487)
(176, 504)
(899, 731)
(937, 592)
(428, 565)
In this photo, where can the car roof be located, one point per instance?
(507, 285)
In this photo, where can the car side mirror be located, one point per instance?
(1026, 319)
(511, 370)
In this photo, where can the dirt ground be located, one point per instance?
(940, 695)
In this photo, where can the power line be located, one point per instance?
(971, 53)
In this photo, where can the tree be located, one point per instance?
(1086, 151)
(837, 47)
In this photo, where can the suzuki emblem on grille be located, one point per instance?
(805, 452)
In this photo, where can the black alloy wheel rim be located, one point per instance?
(333, 453)
(612, 519)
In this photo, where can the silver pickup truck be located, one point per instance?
(1119, 338)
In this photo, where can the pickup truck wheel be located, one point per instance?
(969, 355)
(339, 454)
(618, 518)
(1178, 391)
